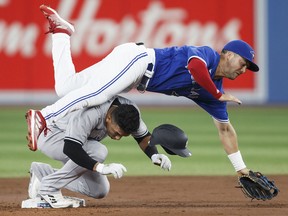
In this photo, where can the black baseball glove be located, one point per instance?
(257, 186)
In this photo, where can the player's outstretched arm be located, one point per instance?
(228, 137)
(254, 185)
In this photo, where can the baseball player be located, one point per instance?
(193, 72)
(75, 140)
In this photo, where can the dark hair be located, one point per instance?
(127, 117)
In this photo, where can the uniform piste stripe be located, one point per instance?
(107, 85)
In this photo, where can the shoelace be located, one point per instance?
(52, 25)
(41, 124)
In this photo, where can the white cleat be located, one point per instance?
(57, 201)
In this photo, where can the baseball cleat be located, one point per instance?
(39, 202)
(36, 124)
(57, 201)
(56, 23)
(34, 183)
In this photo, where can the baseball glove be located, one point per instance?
(257, 186)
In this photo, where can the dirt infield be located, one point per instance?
(156, 196)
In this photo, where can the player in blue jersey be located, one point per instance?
(193, 72)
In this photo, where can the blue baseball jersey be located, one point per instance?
(171, 77)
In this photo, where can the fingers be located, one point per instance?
(157, 162)
(161, 160)
(165, 163)
(118, 170)
(236, 100)
(156, 159)
(230, 98)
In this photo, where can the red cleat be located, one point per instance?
(56, 23)
(36, 125)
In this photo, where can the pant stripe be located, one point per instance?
(93, 94)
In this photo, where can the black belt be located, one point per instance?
(146, 77)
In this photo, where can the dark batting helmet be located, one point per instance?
(172, 139)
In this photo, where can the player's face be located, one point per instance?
(114, 131)
(235, 66)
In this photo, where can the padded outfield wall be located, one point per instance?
(25, 56)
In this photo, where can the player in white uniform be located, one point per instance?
(75, 140)
(84, 89)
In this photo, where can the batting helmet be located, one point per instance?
(172, 139)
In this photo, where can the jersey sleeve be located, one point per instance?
(217, 109)
(82, 123)
(142, 130)
(201, 75)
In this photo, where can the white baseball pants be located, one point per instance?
(118, 72)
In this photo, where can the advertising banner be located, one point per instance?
(25, 49)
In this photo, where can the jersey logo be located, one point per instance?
(193, 94)
(174, 94)
(253, 54)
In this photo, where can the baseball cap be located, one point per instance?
(172, 139)
(244, 50)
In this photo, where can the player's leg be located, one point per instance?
(64, 70)
(77, 178)
(52, 144)
(37, 172)
(61, 30)
(92, 184)
(120, 71)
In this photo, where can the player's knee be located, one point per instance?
(102, 192)
(101, 195)
(61, 89)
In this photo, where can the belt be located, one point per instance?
(147, 75)
(146, 78)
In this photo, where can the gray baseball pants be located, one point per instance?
(70, 176)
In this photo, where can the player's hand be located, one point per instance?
(162, 160)
(244, 171)
(229, 98)
(117, 170)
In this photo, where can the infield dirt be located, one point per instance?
(156, 196)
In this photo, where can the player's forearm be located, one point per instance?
(77, 154)
(148, 150)
(229, 141)
(228, 137)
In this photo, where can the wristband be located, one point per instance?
(99, 167)
(150, 150)
(237, 161)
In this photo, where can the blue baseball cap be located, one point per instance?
(244, 50)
